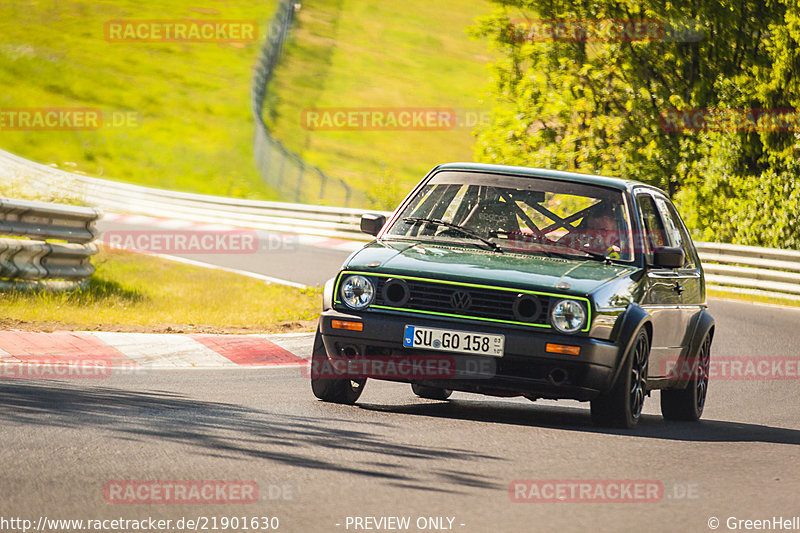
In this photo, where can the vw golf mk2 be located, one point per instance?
(519, 281)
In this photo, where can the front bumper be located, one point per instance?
(525, 368)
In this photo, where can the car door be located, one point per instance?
(689, 279)
(663, 293)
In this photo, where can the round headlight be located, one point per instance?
(568, 316)
(357, 292)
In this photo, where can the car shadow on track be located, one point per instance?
(215, 429)
(577, 419)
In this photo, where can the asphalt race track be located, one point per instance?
(394, 455)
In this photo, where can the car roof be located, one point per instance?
(578, 177)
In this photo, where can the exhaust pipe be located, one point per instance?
(557, 376)
(349, 350)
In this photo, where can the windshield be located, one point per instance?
(529, 215)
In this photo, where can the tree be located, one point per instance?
(619, 87)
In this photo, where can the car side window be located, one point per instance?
(654, 234)
(675, 231)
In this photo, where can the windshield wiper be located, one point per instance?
(492, 245)
(540, 246)
(594, 255)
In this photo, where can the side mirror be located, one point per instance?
(371, 223)
(665, 257)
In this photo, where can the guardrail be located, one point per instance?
(747, 268)
(751, 267)
(44, 221)
(34, 258)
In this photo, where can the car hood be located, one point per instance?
(474, 265)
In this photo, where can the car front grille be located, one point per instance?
(433, 297)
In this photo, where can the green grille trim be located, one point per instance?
(463, 284)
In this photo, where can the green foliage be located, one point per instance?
(386, 194)
(600, 106)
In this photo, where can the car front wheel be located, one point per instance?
(622, 406)
(326, 384)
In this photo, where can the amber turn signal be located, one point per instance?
(562, 349)
(344, 324)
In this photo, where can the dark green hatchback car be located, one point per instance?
(512, 281)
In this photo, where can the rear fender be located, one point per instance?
(702, 324)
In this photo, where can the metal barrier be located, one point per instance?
(47, 221)
(751, 267)
(279, 167)
(35, 259)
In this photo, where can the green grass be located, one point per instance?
(756, 298)
(374, 53)
(21, 190)
(192, 99)
(132, 292)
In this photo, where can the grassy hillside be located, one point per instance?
(194, 129)
(192, 99)
(373, 53)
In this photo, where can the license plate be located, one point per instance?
(449, 340)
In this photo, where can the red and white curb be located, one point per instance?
(112, 350)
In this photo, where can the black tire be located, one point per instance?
(621, 407)
(331, 389)
(688, 404)
(431, 393)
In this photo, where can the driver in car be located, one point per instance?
(599, 233)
